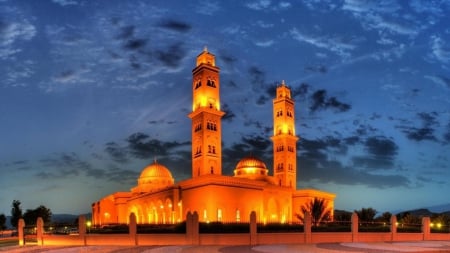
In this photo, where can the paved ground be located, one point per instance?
(424, 246)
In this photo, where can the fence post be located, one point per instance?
(253, 229)
(132, 228)
(189, 227)
(426, 228)
(355, 225)
(82, 228)
(40, 231)
(20, 226)
(393, 228)
(195, 229)
(307, 227)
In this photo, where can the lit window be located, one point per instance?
(238, 215)
(219, 214)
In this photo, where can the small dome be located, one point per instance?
(250, 167)
(155, 170)
(154, 176)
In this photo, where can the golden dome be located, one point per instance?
(155, 170)
(154, 176)
(250, 167)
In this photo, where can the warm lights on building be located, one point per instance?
(271, 193)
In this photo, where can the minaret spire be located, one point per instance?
(206, 117)
(284, 139)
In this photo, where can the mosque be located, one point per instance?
(273, 195)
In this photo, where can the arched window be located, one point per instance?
(238, 215)
(219, 214)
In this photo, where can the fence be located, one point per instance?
(192, 232)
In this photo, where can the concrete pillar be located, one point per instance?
(189, 227)
(393, 227)
(195, 229)
(426, 228)
(132, 228)
(20, 226)
(355, 227)
(82, 228)
(40, 231)
(307, 220)
(253, 229)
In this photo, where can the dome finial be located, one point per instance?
(205, 49)
(282, 82)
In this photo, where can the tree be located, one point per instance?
(31, 216)
(319, 210)
(2, 222)
(366, 214)
(16, 213)
(385, 217)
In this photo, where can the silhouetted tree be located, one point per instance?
(342, 216)
(319, 210)
(16, 213)
(385, 217)
(366, 214)
(410, 219)
(31, 216)
(2, 222)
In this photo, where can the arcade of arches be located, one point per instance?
(158, 199)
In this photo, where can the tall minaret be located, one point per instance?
(206, 117)
(284, 139)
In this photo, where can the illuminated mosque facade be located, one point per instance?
(158, 199)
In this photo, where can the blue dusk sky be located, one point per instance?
(93, 91)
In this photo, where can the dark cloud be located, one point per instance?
(261, 100)
(134, 44)
(447, 134)
(420, 134)
(380, 146)
(257, 142)
(257, 78)
(229, 114)
(63, 165)
(320, 101)
(126, 32)
(142, 147)
(117, 174)
(116, 152)
(381, 151)
(300, 90)
(227, 59)
(428, 119)
(425, 132)
(175, 25)
(316, 162)
(172, 56)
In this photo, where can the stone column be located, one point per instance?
(253, 229)
(355, 227)
(393, 227)
(20, 226)
(426, 228)
(82, 228)
(189, 227)
(40, 231)
(307, 227)
(132, 228)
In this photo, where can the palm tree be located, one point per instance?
(319, 210)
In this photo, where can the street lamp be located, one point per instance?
(88, 224)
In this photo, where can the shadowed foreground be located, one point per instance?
(423, 246)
